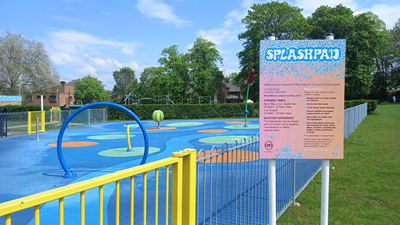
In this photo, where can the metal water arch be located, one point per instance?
(69, 173)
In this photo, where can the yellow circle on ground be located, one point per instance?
(161, 128)
(121, 152)
(212, 131)
(237, 122)
(75, 144)
(109, 137)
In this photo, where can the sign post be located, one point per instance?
(301, 106)
(271, 175)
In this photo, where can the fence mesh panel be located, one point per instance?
(16, 124)
(232, 184)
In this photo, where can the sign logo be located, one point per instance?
(268, 145)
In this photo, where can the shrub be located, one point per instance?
(25, 108)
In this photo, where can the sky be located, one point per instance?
(98, 37)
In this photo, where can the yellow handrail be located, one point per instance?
(183, 169)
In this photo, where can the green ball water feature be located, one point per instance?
(158, 116)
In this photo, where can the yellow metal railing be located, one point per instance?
(55, 114)
(182, 199)
(32, 121)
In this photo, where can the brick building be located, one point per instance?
(229, 93)
(65, 95)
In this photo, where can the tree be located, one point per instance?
(25, 63)
(174, 78)
(145, 88)
(232, 78)
(363, 43)
(395, 50)
(280, 18)
(90, 89)
(204, 73)
(383, 62)
(125, 81)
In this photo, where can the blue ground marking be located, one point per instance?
(25, 161)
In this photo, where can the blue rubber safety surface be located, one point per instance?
(28, 166)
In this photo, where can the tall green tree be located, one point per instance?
(145, 87)
(395, 49)
(174, 78)
(125, 81)
(363, 43)
(204, 73)
(90, 89)
(26, 64)
(232, 77)
(383, 62)
(280, 18)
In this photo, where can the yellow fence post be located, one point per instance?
(176, 199)
(29, 122)
(43, 129)
(189, 185)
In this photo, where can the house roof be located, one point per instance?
(231, 87)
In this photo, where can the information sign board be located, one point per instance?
(302, 99)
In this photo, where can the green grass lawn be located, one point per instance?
(365, 185)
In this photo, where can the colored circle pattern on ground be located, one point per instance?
(230, 157)
(241, 127)
(109, 137)
(121, 152)
(75, 144)
(184, 124)
(222, 139)
(161, 128)
(212, 131)
(236, 122)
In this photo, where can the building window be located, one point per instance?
(52, 98)
(38, 96)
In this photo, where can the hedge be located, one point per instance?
(185, 111)
(198, 111)
(372, 104)
(25, 108)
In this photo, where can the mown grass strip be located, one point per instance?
(365, 185)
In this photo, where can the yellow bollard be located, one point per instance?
(128, 138)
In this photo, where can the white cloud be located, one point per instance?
(388, 13)
(215, 35)
(73, 20)
(227, 33)
(310, 6)
(63, 58)
(160, 10)
(77, 54)
(70, 41)
(87, 70)
(189, 46)
(127, 50)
